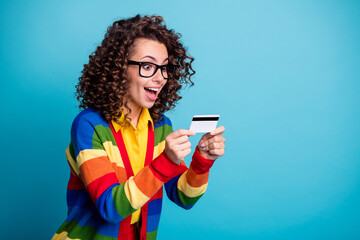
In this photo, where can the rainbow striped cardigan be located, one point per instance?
(100, 195)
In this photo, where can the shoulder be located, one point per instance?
(89, 130)
(162, 128)
(87, 120)
(164, 122)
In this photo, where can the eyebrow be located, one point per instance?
(151, 57)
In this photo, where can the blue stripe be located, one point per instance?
(82, 129)
(90, 217)
(106, 206)
(85, 216)
(82, 215)
(77, 197)
(155, 207)
(82, 209)
(152, 222)
(165, 121)
(172, 192)
(109, 229)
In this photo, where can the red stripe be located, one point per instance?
(75, 182)
(199, 164)
(158, 195)
(144, 212)
(165, 169)
(150, 145)
(98, 186)
(124, 155)
(126, 230)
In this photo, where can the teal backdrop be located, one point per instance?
(283, 75)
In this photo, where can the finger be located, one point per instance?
(214, 139)
(217, 131)
(205, 137)
(216, 146)
(180, 140)
(184, 146)
(182, 154)
(186, 152)
(217, 152)
(182, 132)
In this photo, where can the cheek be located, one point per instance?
(134, 83)
(134, 89)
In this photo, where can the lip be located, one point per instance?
(150, 96)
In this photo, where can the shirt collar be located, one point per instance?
(142, 123)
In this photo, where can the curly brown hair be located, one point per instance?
(103, 85)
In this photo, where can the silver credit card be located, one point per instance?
(204, 123)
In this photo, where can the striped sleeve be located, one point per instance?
(185, 190)
(113, 199)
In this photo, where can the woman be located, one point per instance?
(123, 149)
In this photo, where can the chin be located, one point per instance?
(148, 105)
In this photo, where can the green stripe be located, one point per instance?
(121, 202)
(161, 133)
(104, 134)
(151, 235)
(66, 226)
(188, 201)
(82, 232)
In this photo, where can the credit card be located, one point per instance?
(204, 123)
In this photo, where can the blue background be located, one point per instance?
(283, 75)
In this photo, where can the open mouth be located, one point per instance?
(152, 93)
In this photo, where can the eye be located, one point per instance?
(147, 66)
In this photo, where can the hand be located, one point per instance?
(212, 145)
(177, 145)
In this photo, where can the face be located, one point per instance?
(144, 91)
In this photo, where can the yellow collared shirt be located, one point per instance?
(135, 139)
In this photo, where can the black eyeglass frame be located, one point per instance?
(131, 62)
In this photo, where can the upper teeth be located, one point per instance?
(153, 89)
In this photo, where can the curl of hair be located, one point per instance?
(103, 84)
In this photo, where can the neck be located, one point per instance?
(134, 115)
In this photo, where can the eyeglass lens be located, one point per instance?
(149, 69)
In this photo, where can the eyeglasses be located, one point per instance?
(147, 69)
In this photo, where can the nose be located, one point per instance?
(158, 77)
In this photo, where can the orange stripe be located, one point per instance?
(120, 173)
(95, 168)
(183, 163)
(147, 183)
(196, 180)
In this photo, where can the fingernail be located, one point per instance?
(212, 133)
